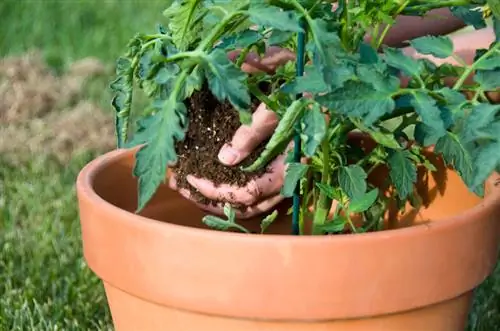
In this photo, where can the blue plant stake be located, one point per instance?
(297, 143)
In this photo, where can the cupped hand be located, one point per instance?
(260, 194)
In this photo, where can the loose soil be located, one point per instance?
(211, 125)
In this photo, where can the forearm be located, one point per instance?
(436, 22)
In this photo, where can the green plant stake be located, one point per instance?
(301, 41)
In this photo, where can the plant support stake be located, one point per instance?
(296, 139)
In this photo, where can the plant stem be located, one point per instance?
(388, 26)
(473, 67)
(323, 205)
(239, 227)
(219, 29)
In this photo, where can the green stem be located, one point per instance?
(239, 227)
(263, 98)
(220, 28)
(323, 205)
(460, 82)
(436, 5)
(388, 26)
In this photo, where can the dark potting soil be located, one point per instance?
(211, 125)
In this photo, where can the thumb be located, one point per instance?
(248, 137)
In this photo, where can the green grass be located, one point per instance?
(44, 282)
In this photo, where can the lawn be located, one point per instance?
(44, 281)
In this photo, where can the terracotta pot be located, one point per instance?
(162, 270)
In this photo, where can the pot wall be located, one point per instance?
(165, 275)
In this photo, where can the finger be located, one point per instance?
(272, 181)
(248, 137)
(276, 56)
(246, 196)
(252, 63)
(260, 208)
(172, 182)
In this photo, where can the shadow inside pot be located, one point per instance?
(442, 193)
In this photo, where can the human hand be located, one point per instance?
(260, 194)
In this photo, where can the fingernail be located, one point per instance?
(192, 181)
(228, 155)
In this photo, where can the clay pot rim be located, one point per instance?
(85, 187)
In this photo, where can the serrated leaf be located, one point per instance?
(395, 58)
(364, 202)
(456, 155)
(477, 123)
(403, 173)
(240, 40)
(226, 81)
(185, 21)
(282, 135)
(381, 81)
(294, 172)
(268, 220)
(454, 99)
(336, 225)
(381, 136)
(313, 129)
(491, 62)
(359, 99)
(486, 160)
(275, 17)
(216, 223)
(495, 7)
(311, 82)
(166, 127)
(352, 180)
(279, 37)
(431, 114)
(330, 192)
(122, 87)
(489, 80)
(438, 46)
(368, 55)
(470, 15)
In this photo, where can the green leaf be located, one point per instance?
(368, 55)
(381, 136)
(220, 224)
(185, 22)
(489, 80)
(268, 220)
(230, 213)
(226, 81)
(336, 225)
(491, 62)
(364, 202)
(294, 172)
(495, 7)
(380, 80)
(357, 99)
(486, 161)
(165, 127)
(281, 136)
(496, 28)
(330, 192)
(311, 82)
(403, 173)
(430, 113)
(122, 87)
(395, 58)
(279, 37)
(352, 180)
(478, 123)
(455, 154)
(274, 17)
(313, 129)
(240, 40)
(438, 46)
(470, 15)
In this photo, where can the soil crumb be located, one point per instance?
(211, 125)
